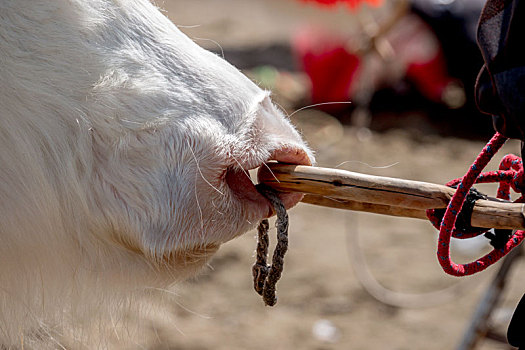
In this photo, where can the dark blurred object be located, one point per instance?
(500, 90)
(515, 333)
(454, 23)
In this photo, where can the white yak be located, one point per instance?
(123, 151)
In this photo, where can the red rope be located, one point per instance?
(509, 175)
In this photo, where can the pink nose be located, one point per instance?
(291, 155)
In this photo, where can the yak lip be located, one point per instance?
(244, 189)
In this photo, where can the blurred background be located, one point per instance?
(391, 84)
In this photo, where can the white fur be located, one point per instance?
(116, 131)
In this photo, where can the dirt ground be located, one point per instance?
(322, 304)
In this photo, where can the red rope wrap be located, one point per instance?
(509, 175)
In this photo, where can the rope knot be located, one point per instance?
(510, 175)
(519, 183)
(513, 166)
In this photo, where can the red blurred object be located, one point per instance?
(330, 67)
(431, 77)
(352, 4)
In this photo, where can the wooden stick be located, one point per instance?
(348, 204)
(383, 195)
